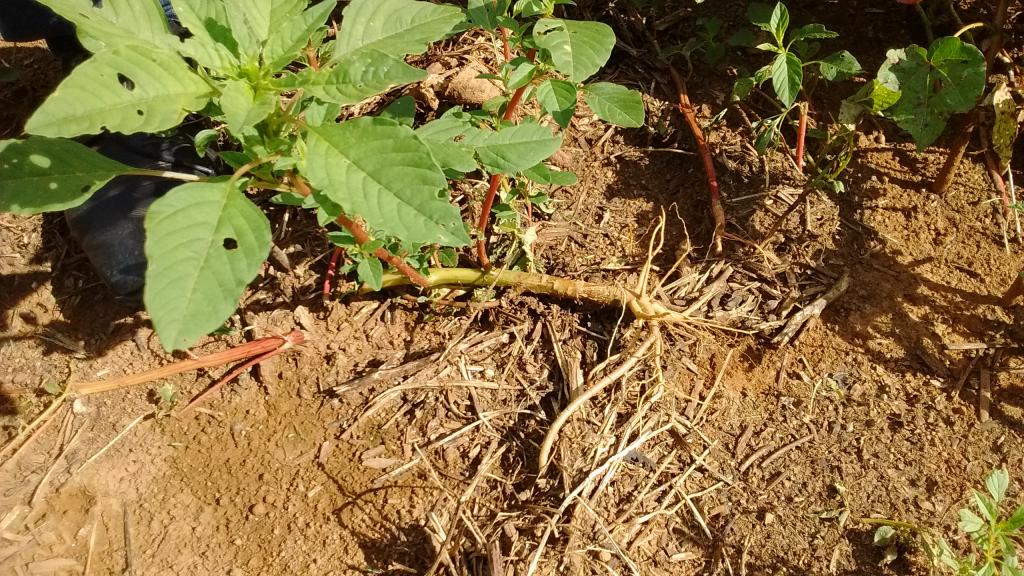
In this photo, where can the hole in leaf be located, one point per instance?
(230, 244)
(140, 112)
(126, 82)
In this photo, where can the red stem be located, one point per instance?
(363, 237)
(492, 191)
(801, 135)
(686, 107)
(332, 267)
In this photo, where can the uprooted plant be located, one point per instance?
(271, 80)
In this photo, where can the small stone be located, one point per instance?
(604, 556)
(236, 572)
(258, 509)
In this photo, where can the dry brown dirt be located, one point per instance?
(278, 474)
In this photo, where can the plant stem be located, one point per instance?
(801, 135)
(255, 348)
(363, 237)
(964, 131)
(602, 294)
(686, 107)
(495, 183)
(332, 267)
(170, 175)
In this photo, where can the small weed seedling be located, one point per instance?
(791, 70)
(995, 536)
(271, 82)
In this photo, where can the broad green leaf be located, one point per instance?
(288, 39)
(129, 89)
(381, 172)
(787, 77)
(210, 42)
(578, 49)
(946, 79)
(204, 243)
(970, 522)
(371, 273)
(50, 174)
(558, 98)
(253, 21)
(396, 27)
(811, 31)
(997, 483)
(741, 89)
(402, 110)
(616, 104)
(356, 77)
(521, 74)
(872, 98)
(244, 108)
(513, 149)
(778, 22)
(839, 66)
(543, 174)
(440, 135)
(485, 13)
(318, 112)
(114, 23)
(528, 8)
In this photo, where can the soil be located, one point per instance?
(300, 467)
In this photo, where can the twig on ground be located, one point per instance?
(113, 441)
(259, 348)
(800, 319)
(31, 431)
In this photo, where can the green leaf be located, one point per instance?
(742, 88)
(1005, 125)
(811, 31)
(355, 78)
(371, 273)
(988, 508)
(558, 98)
(872, 98)
(778, 22)
(396, 27)
(51, 174)
(970, 522)
(402, 110)
(884, 536)
(787, 77)
(513, 149)
(522, 73)
(204, 138)
(1015, 521)
(318, 112)
(243, 108)
(839, 66)
(946, 79)
(211, 43)
(204, 243)
(440, 135)
(253, 21)
(528, 8)
(381, 172)
(578, 49)
(616, 104)
(543, 174)
(485, 13)
(161, 89)
(115, 23)
(287, 40)
(997, 483)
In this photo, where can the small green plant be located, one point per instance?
(994, 535)
(271, 84)
(792, 67)
(921, 88)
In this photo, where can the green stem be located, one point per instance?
(184, 177)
